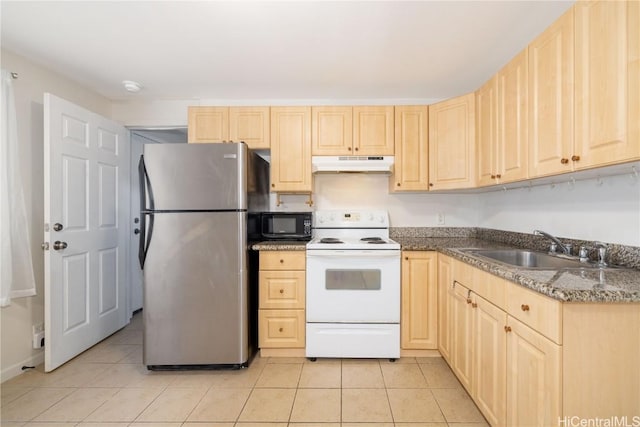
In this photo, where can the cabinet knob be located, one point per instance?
(468, 300)
(564, 161)
(280, 329)
(406, 258)
(575, 158)
(273, 185)
(507, 328)
(356, 148)
(282, 291)
(398, 184)
(498, 176)
(431, 184)
(524, 307)
(474, 305)
(493, 177)
(349, 148)
(281, 261)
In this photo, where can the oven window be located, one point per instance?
(362, 280)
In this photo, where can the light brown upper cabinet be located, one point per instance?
(607, 75)
(513, 120)
(291, 150)
(208, 124)
(551, 99)
(373, 131)
(251, 125)
(221, 124)
(486, 132)
(452, 143)
(411, 166)
(332, 131)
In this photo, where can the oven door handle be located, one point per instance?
(354, 254)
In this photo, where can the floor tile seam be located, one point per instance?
(39, 413)
(196, 405)
(440, 408)
(149, 404)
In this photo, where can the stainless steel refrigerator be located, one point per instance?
(200, 276)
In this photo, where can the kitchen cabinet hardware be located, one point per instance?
(57, 227)
(45, 246)
(136, 231)
(406, 258)
(507, 328)
(498, 176)
(474, 305)
(280, 329)
(468, 300)
(282, 291)
(398, 184)
(493, 177)
(575, 158)
(524, 307)
(564, 161)
(281, 261)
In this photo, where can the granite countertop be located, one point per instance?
(587, 284)
(569, 285)
(284, 245)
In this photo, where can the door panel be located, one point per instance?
(86, 208)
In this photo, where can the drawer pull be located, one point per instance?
(474, 305)
(507, 328)
(282, 291)
(524, 307)
(281, 261)
(564, 161)
(468, 300)
(280, 329)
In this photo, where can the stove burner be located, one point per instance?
(371, 239)
(330, 240)
(376, 242)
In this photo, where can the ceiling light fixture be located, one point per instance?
(131, 86)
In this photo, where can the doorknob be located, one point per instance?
(58, 245)
(136, 231)
(57, 227)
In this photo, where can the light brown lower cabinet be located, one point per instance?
(419, 303)
(529, 360)
(281, 314)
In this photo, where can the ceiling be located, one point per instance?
(286, 50)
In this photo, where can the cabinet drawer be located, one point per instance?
(491, 288)
(539, 312)
(281, 329)
(463, 274)
(277, 260)
(282, 289)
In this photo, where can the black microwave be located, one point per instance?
(286, 225)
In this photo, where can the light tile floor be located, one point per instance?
(108, 386)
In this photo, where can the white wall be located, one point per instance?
(17, 319)
(606, 209)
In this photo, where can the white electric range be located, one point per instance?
(353, 286)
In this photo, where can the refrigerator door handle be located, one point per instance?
(145, 238)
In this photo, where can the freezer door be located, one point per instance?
(195, 290)
(196, 176)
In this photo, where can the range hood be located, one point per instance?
(352, 164)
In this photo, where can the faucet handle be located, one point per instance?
(553, 248)
(602, 253)
(568, 248)
(583, 254)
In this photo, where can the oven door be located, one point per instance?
(353, 286)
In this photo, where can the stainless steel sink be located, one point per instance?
(528, 259)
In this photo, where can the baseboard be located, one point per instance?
(419, 353)
(15, 370)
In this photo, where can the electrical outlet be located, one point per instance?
(440, 218)
(38, 335)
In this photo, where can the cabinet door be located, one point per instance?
(490, 358)
(281, 289)
(445, 281)
(251, 125)
(373, 131)
(331, 131)
(551, 99)
(604, 53)
(281, 328)
(486, 127)
(513, 124)
(419, 307)
(291, 149)
(452, 143)
(462, 335)
(411, 168)
(208, 124)
(533, 377)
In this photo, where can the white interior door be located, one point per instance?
(86, 161)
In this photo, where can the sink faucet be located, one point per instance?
(566, 248)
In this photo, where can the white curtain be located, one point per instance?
(16, 267)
